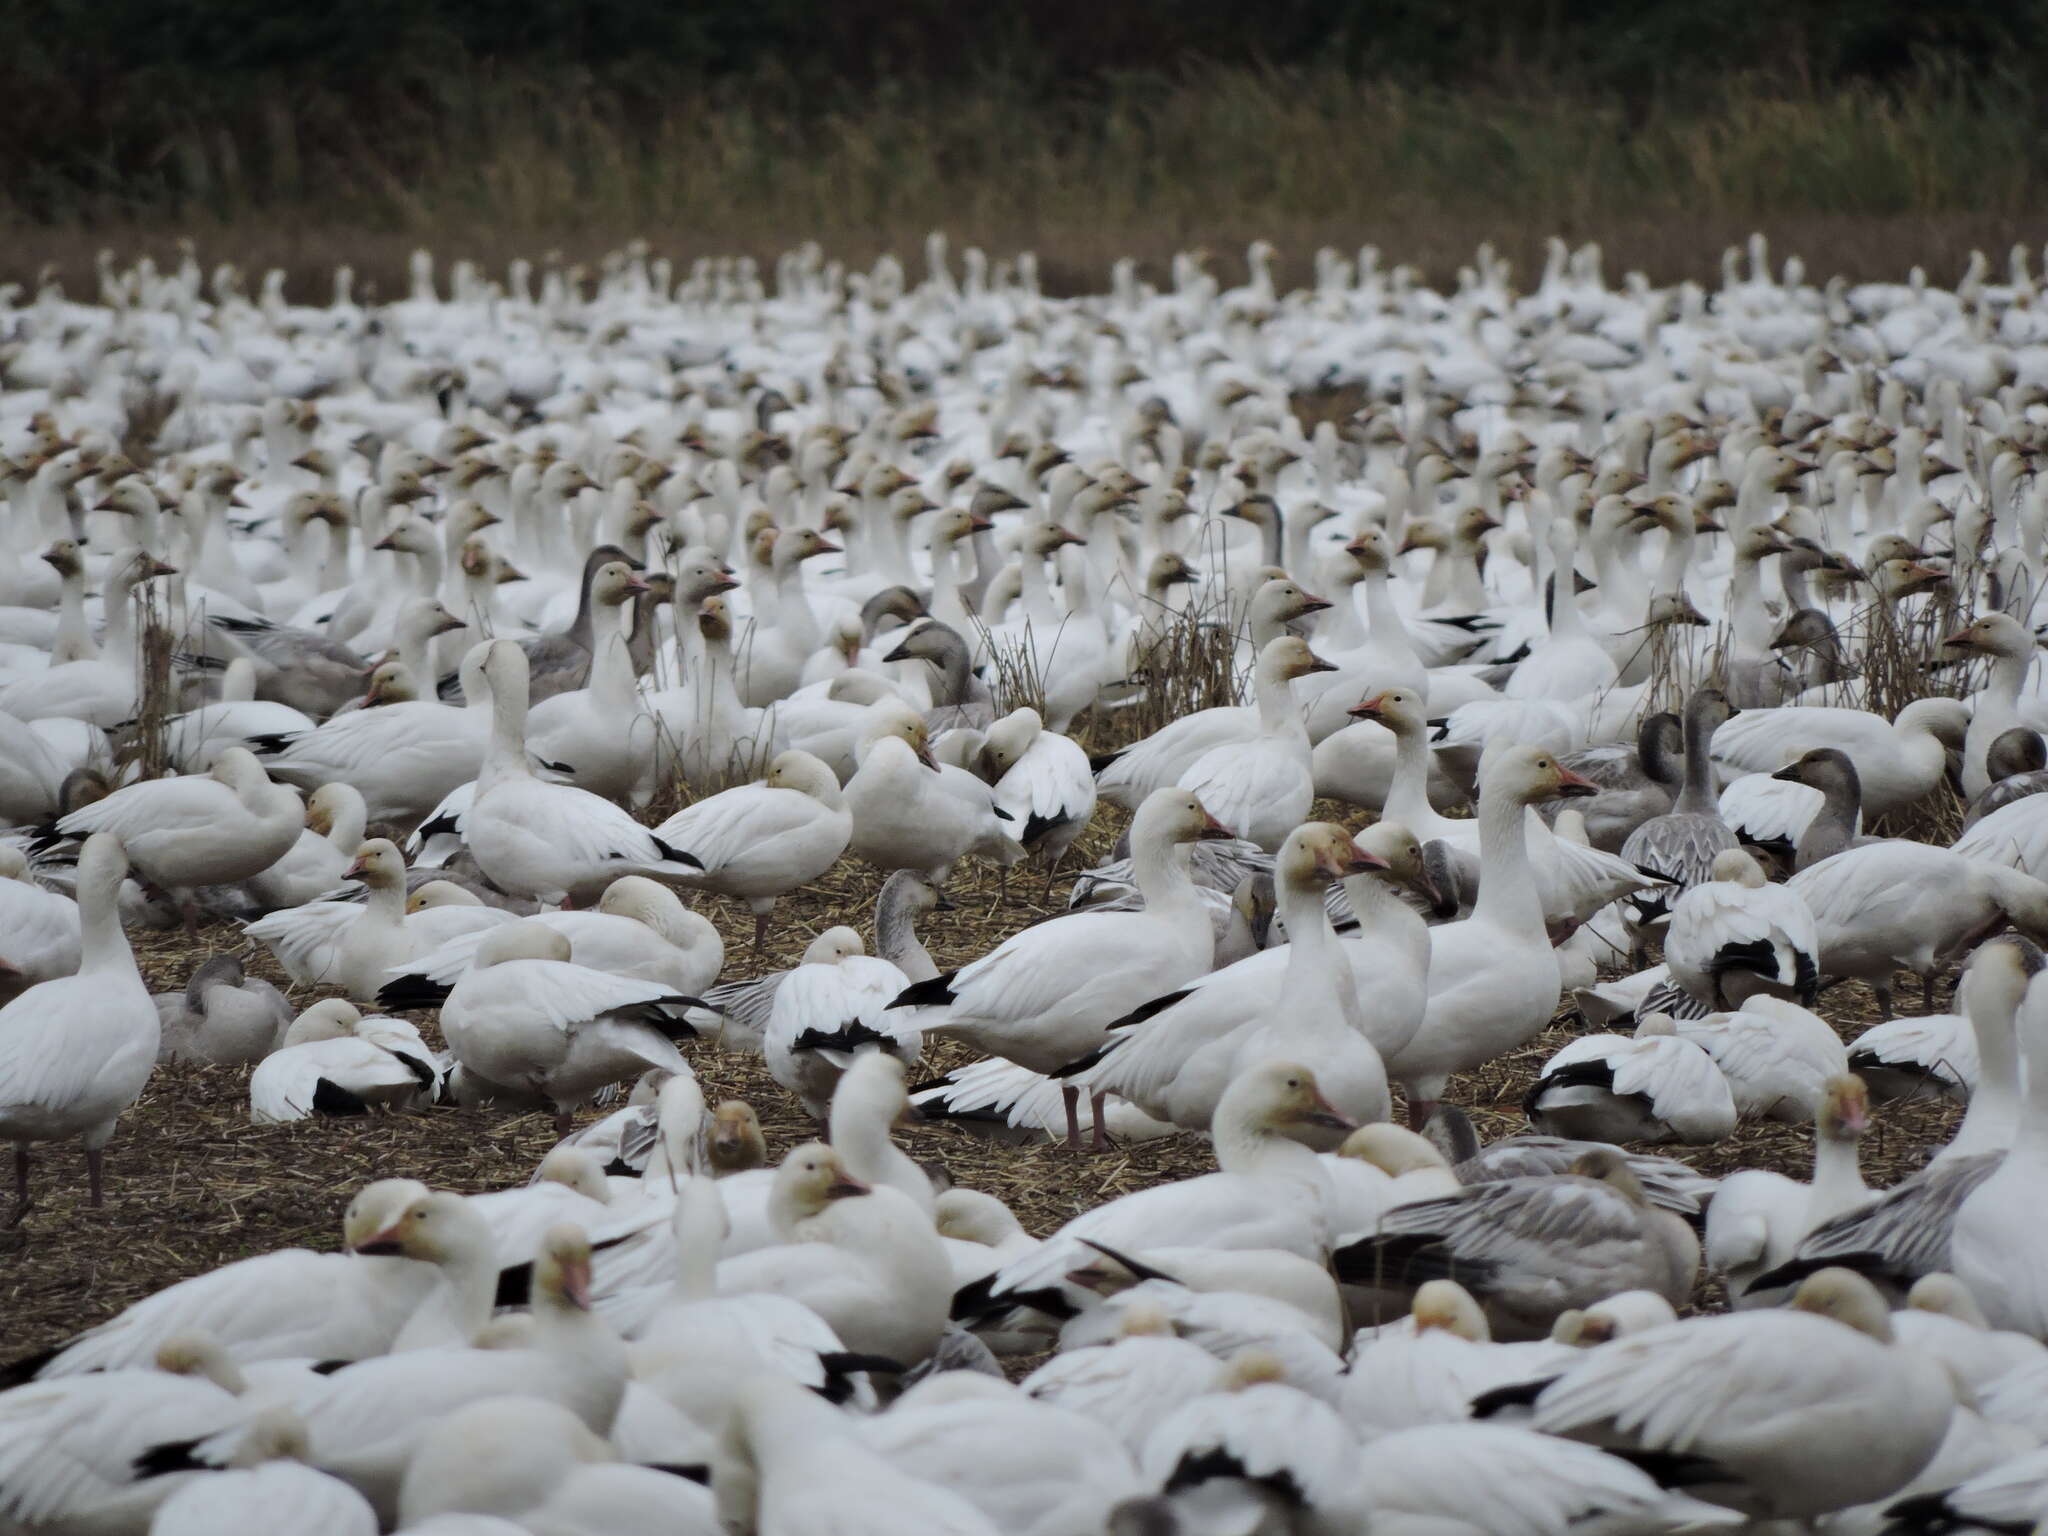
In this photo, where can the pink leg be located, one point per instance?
(95, 1170)
(1071, 1096)
(1102, 1141)
(760, 930)
(1419, 1111)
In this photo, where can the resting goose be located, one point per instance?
(2017, 765)
(828, 1011)
(1682, 844)
(1043, 781)
(1904, 1234)
(1995, 1247)
(551, 842)
(1263, 787)
(223, 1016)
(1045, 997)
(1177, 1054)
(1635, 783)
(76, 1051)
(271, 1487)
(759, 842)
(1781, 1415)
(200, 829)
(911, 812)
(1654, 1087)
(1758, 1217)
(524, 1017)
(1529, 1248)
(1493, 977)
(1896, 762)
(1933, 1056)
(1809, 810)
(1776, 1057)
(336, 818)
(1735, 936)
(40, 927)
(333, 1061)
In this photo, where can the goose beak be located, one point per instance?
(1367, 709)
(826, 547)
(1357, 862)
(1213, 831)
(159, 568)
(845, 1187)
(354, 871)
(924, 755)
(1317, 664)
(1789, 773)
(576, 1283)
(384, 1244)
(635, 584)
(447, 623)
(1313, 604)
(978, 524)
(901, 653)
(1960, 640)
(1572, 786)
(1325, 1116)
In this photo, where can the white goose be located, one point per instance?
(1262, 788)
(1994, 1248)
(524, 1017)
(830, 1010)
(1043, 781)
(1651, 1087)
(1735, 935)
(1775, 1056)
(1896, 762)
(200, 829)
(552, 842)
(1493, 977)
(759, 842)
(1045, 997)
(41, 928)
(76, 1051)
(1758, 1217)
(911, 812)
(335, 820)
(333, 1061)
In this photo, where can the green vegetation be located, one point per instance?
(1868, 135)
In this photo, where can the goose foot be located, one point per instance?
(1928, 984)
(21, 1200)
(1101, 1141)
(95, 1177)
(565, 1122)
(760, 931)
(1419, 1111)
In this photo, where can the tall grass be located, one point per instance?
(480, 162)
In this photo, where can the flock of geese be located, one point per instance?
(1672, 647)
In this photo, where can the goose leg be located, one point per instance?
(1102, 1142)
(1419, 1111)
(95, 1176)
(565, 1122)
(20, 1184)
(760, 930)
(1928, 983)
(1070, 1095)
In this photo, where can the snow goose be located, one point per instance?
(1496, 1479)
(1129, 1384)
(1994, 1248)
(958, 697)
(1529, 1248)
(41, 928)
(1781, 1415)
(1261, 1449)
(816, 1473)
(76, 1051)
(335, 821)
(869, 1098)
(31, 775)
(1683, 843)
(1127, 777)
(1776, 1057)
(2017, 764)
(1634, 783)
(1044, 997)
(551, 842)
(253, 1500)
(75, 1453)
(1904, 1234)
(600, 737)
(1271, 1191)
(404, 758)
(1493, 977)
(759, 842)
(524, 1017)
(99, 684)
(1809, 810)
(1043, 781)
(1028, 1465)
(366, 1418)
(830, 1010)
(2015, 834)
(333, 1061)
(561, 660)
(199, 829)
(298, 1304)
(1898, 905)
(865, 1260)
(1262, 788)
(1758, 1217)
(1896, 762)
(1177, 1054)
(911, 812)
(193, 739)
(1933, 1056)
(1653, 1087)
(1734, 936)
(223, 1015)
(2010, 645)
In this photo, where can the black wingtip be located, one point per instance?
(410, 992)
(330, 1098)
(1519, 1394)
(850, 1036)
(934, 993)
(677, 856)
(171, 1456)
(515, 1285)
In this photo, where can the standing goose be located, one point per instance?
(1683, 843)
(75, 1052)
(2010, 645)
(1045, 997)
(1493, 978)
(551, 842)
(759, 842)
(1996, 1248)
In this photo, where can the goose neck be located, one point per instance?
(1837, 1179)
(1507, 887)
(1696, 789)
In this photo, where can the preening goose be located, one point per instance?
(1262, 788)
(1734, 936)
(76, 1051)
(223, 1015)
(1682, 844)
(1654, 1087)
(831, 1009)
(912, 812)
(1776, 1057)
(333, 1061)
(259, 1498)
(552, 842)
(41, 928)
(1045, 997)
(1042, 779)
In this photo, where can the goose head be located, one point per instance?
(441, 893)
(2016, 751)
(574, 1168)
(1849, 1299)
(1844, 1112)
(1995, 634)
(330, 1019)
(1400, 710)
(1371, 550)
(401, 1218)
(391, 682)
(698, 575)
(1289, 657)
(1281, 601)
(1900, 577)
(1401, 858)
(736, 1141)
(811, 1178)
(969, 1216)
(714, 620)
(1734, 866)
(614, 582)
(64, 558)
(1043, 540)
(928, 640)
(1167, 570)
(1282, 1098)
(1529, 774)
(1320, 851)
(833, 946)
(1826, 769)
(1175, 816)
(1609, 1166)
(1393, 1149)
(1447, 1305)
(804, 773)
(379, 865)
(893, 720)
(794, 545)
(1946, 1296)
(648, 902)
(1615, 1318)
(561, 1268)
(410, 536)
(1007, 740)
